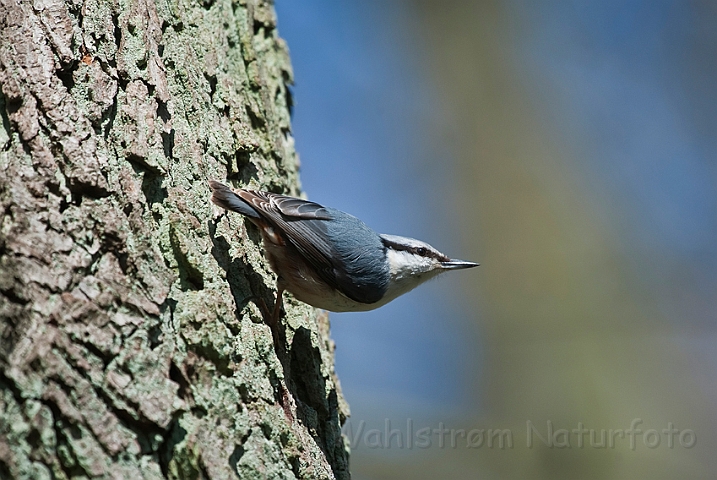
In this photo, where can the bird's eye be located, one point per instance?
(422, 251)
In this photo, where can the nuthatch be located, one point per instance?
(330, 259)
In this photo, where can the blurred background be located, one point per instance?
(569, 147)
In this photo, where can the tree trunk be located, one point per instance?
(131, 344)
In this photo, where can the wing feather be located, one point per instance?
(322, 244)
(303, 224)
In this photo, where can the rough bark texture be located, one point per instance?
(131, 345)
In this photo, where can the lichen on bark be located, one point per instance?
(131, 344)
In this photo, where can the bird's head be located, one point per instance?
(412, 262)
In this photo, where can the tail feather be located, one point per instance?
(225, 198)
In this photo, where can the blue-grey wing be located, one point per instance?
(331, 248)
(301, 222)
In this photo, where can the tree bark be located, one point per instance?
(131, 344)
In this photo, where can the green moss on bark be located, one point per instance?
(132, 345)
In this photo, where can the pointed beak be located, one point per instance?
(458, 264)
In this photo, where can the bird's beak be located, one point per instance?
(458, 264)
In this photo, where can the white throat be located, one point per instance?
(408, 271)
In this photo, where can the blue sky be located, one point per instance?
(360, 106)
(629, 84)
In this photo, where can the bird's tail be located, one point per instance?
(225, 198)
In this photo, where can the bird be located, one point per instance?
(330, 259)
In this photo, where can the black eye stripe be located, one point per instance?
(421, 251)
